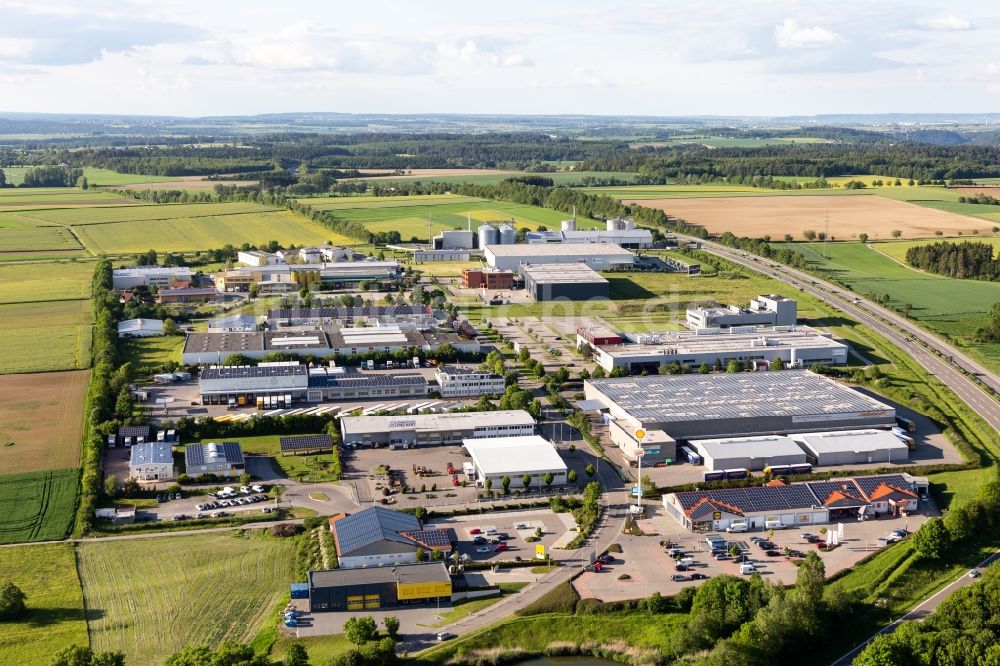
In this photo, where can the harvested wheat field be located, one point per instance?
(849, 216)
(41, 420)
(192, 183)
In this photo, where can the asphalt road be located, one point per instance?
(902, 332)
(919, 612)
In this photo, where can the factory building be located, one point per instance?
(140, 328)
(574, 282)
(599, 256)
(187, 295)
(379, 587)
(423, 256)
(596, 336)
(752, 453)
(734, 405)
(434, 429)
(457, 382)
(151, 461)
(800, 505)
(796, 346)
(284, 278)
(419, 316)
(770, 310)
(258, 258)
(632, 239)
(494, 459)
(378, 537)
(480, 278)
(233, 324)
(853, 447)
(160, 277)
(455, 239)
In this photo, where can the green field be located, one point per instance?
(409, 215)
(23, 283)
(147, 355)
(151, 597)
(39, 337)
(20, 233)
(94, 176)
(12, 199)
(311, 468)
(47, 575)
(37, 506)
(954, 308)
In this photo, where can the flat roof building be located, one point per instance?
(599, 256)
(423, 255)
(796, 346)
(140, 328)
(596, 336)
(378, 587)
(149, 276)
(498, 457)
(630, 238)
(486, 278)
(457, 382)
(419, 315)
(240, 323)
(577, 282)
(752, 453)
(769, 310)
(187, 295)
(740, 404)
(853, 447)
(151, 461)
(434, 429)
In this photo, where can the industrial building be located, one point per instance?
(501, 233)
(294, 382)
(575, 282)
(796, 346)
(434, 429)
(420, 316)
(740, 404)
(240, 323)
(485, 278)
(378, 587)
(208, 348)
(619, 231)
(752, 453)
(599, 256)
(513, 457)
(797, 504)
(658, 448)
(225, 459)
(161, 277)
(284, 278)
(770, 310)
(151, 461)
(853, 447)
(131, 435)
(457, 382)
(187, 295)
(423, 256)
(140, 328)
(377, 537)
(595, 336)
(258, 258)
(454, 239)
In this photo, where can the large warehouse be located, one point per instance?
(573, 282)
(434, 429)
(796, 346)
(513, 457)
(853, 447)
(739, 404)
(753, 453)
(599, 256)
(378, 587)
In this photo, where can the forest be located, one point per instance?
(967, 259)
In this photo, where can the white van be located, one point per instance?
(774, 525)
(747, 568)
(737, 527)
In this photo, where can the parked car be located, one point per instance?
(179, 516)
(475, 530)
(500, 547)
(479, 541)
(756, 539)
(721, 556)
(738, 527)
(177, 496)
(674, 552)
(258, 489)
(808, 536)
(503, 536)
(222, 514)
(483, 549)
(679, 578)
(820, 544)
(747, 569)
(773, 553)
(681, 567)
(607, 559)
(740, 559)
(699, 576)
(796, 553)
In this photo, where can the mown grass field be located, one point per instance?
(95, 177)
(34, 282)
(41, 420)
(20, 233)
(147, 355)
(409, 215)
(151, 597)
(950, 306)
(55, 619)
(313, 467)
(37, 506)
(45, 336)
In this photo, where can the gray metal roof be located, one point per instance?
(151, 452)
(360, 530)
(249, 371)
(674, 398)
(134, 431)
(431, 572)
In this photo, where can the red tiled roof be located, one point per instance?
(885, 490)
(840, 496)
(716, 506)
(776, 482)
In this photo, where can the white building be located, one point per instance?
(769, 310)
(149, 276)
(513, 457)
(140, 328)
(258, 258)
(456, 382)
(233, 324)
(422, 256)
(225, 459)
(853, 447)
(151, 461)
(434, 429)
(753, 453)
(599, 256)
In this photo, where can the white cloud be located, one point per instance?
(792, 35)
(478, 53)
(588, 78)
(946, 23)
(993, 68)
(993, 88)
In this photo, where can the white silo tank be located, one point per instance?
(612, 225)
(488, 235)
(569, 225)
(508, 234)
(628, 224)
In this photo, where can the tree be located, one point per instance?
(123, 404)
(733, 367)
(227, 654)
(809, 580)
(809, 235)
(789, 238)
(657, 604)
(360, 630)
(589, 470)
(391, 624)
(863, 238)
(297, 655)
(704, 369)
(932, 540)
(111, 486)
(81, 655)
(776, 364)
(505, 482)
(548, 479)
(571, 477)
(526, 480)
(489, 485)
(896, 233)
(12, 600)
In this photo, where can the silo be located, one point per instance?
(488, 235)
(508, 234)
(629, 224)
(569, 225)
(612, 225)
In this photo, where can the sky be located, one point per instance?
(666, 58)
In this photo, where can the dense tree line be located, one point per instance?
(958, 260)
(52, 176)
(990, 332)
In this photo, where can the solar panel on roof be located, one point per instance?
(299, 442)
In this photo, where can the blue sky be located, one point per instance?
(218, 57)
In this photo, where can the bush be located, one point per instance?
(285, 530)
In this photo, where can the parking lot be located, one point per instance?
(516, 525)
(649, 569)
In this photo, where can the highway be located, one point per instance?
(947, 364)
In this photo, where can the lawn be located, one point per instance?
(147, 355)
(309, 468)
(464, 609)
(151, 597)
(321, 649)
(47, 576)
(37, 506)
(52, 281)
(41, 420)
(40, 337)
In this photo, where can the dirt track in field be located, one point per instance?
(780, 215)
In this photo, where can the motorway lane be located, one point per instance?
(868, 314)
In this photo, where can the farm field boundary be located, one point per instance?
(37, 506)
